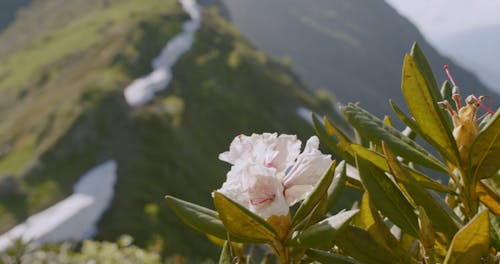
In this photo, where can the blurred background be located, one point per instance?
(106, 106)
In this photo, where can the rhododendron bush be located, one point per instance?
(281, 195)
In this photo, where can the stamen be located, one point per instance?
(449, 75)
(446, 105)
(480, 103)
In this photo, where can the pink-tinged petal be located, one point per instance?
(234, 187)
(287, 148)
(297, 193)
(240, 148)
(310, 166)
(265, 192)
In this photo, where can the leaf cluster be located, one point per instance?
(405, 215)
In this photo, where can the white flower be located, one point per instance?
(269, 173)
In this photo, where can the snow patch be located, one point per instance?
(75, 217)
(142, 90)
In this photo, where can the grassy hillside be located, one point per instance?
(64, 112)
(355, 49)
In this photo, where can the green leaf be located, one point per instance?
(225, 254)
(447, 94)
(311, 202)
(322, 234)
(441, 220)
(331, 142)
(369, 219)
(198, 217)
(240, 222)
(337, 186)
(426, 70)
(488, 196)
(328, 257)
(495, 231)
(359, 244)
(471, 243)
(422, 102)
(376, 130)
(485, 150)
(387, 197)
(331, 129)
(379, 161)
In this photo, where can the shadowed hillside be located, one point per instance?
(353, 48)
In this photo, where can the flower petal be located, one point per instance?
(308, 169)
(265, 192)
(297, 193)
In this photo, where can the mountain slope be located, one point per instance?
(353, 48)
(74, 115)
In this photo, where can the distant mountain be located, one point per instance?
(477, 50)
(352, 48)
(8, 10)
(63, 67)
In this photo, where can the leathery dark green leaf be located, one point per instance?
(198, 217)
(328, 257)
(485, 150)
(379, 161)
(242, 223)
(329, 141)
(423, 104)
(441, 221)
(387, 197)
(359, 244)
(322, 234)
(376, 130)
(225, 254)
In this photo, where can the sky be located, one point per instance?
(439, 19)
(462, 30)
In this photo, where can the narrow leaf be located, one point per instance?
(426, 70)
(331, 142)
(387, 197)
(447, 94)
(379, 161)
(422, 102)
(337, 186)
(488, 197)
(359, 244)
(240, 222)
(441, 220)
(198, 217)
(319, 192)
(471, 243)
(322, 234)
(369, 219)
(328, 257)
(225, 254)
(485, 150)
(495, 231)
(376, 131)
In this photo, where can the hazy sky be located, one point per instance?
(439, 18)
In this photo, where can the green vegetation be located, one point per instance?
(74, 115)
(91, 251)
(399, 218)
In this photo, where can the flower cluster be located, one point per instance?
(269, 174)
